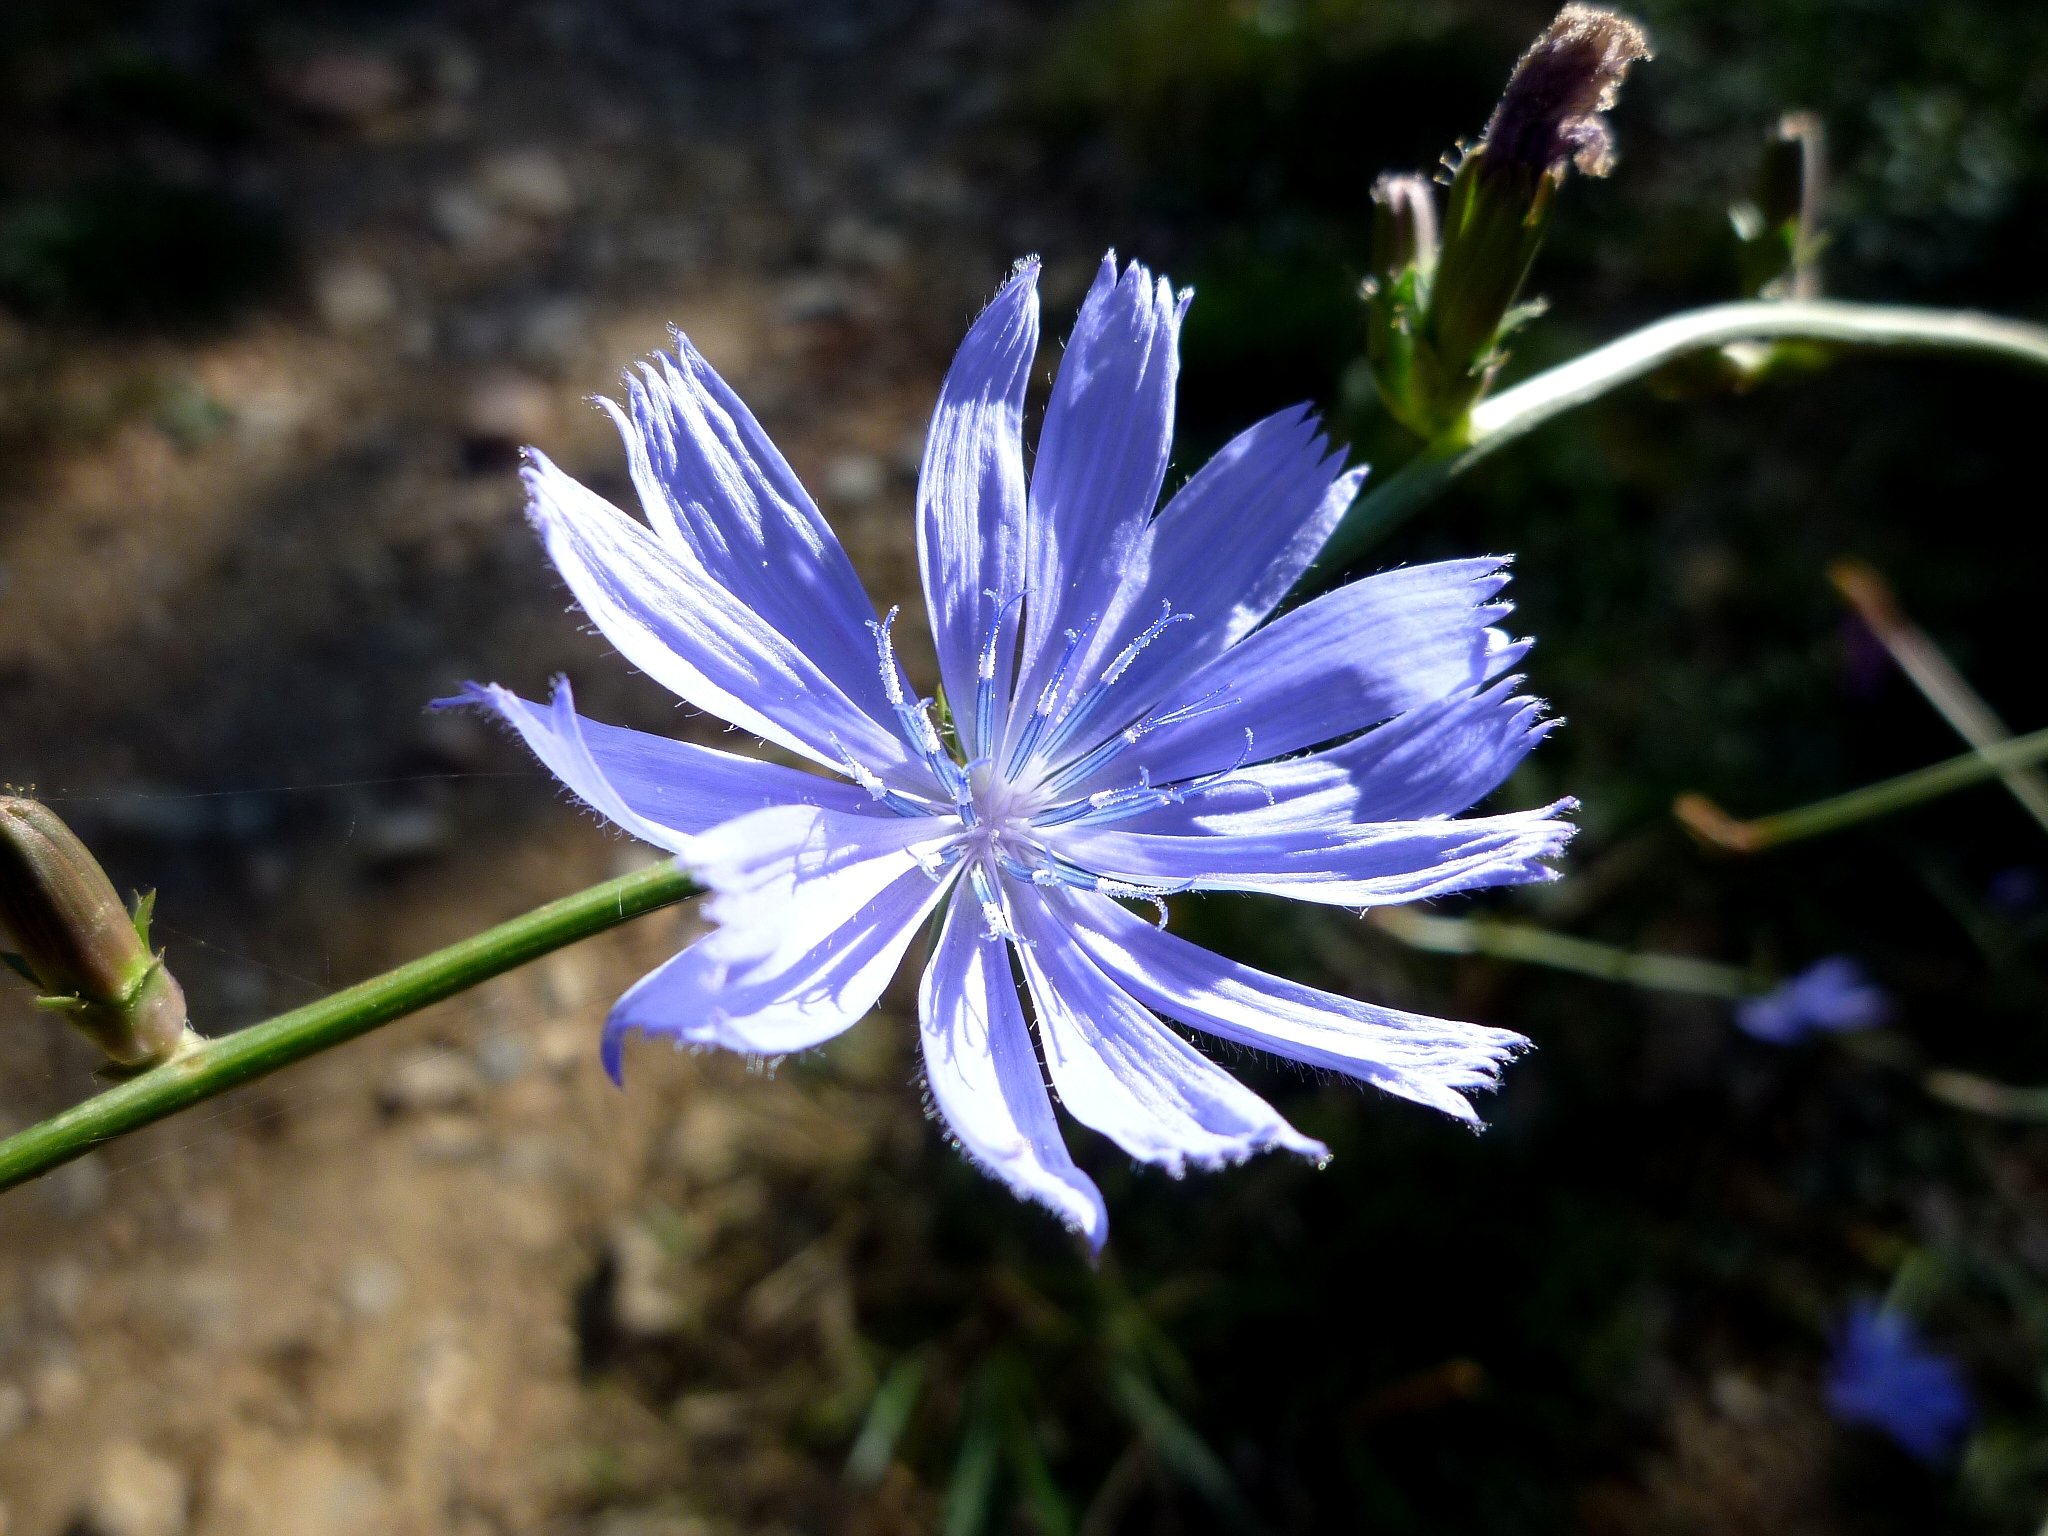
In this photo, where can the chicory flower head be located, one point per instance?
(1885, 1378)
(1831, 996)
(1121, 722)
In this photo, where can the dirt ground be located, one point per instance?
(383, 1292)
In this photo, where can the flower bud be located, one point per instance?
(1554, 109)
(1550, 118)
(1780, 227)
(1403, 223)
(76, 941)
(1404, 245)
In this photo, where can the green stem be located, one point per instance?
(1499, 420)
(1873, 800)
(1560, 952)
(218, 1065)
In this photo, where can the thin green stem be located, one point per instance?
(1559, 952)
(1873, 800)
(218, 1065)
(1499, 420)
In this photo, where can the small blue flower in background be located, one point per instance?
(2016, 891)
(1832, 996)
(1883, 1377)
(1125, 724)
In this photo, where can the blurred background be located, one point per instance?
(283, 288)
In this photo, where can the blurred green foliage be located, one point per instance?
(132, 201)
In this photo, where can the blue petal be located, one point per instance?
(1832, 996)
(1432, 1061)
(1229, 546)
(1435, 760)
(814, 911)
(719, 494)
(970, 501)
(985, 1079)
(1102, 458)
(1883, 1376)
(1366, 865)
(1349, 659)
(676, 624)
(662, 791)
(1123, 1073)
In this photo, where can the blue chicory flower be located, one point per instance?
(1885, 1378)
(1124, 724)
(1832, 996)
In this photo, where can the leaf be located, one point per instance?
(143, 910)
(1182, 1451)
(1042, 1494)
(888, 1415)
(972, 1489)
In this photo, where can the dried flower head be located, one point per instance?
(1552, 111)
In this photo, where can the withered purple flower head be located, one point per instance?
(1553, 110)
(1127, 721)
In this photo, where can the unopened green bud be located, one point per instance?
(1397, 297)
(78, 944)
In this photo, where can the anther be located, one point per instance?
(1086, 706)
(985, 671)
(870, 781)
(993, 913)
(914, 716)
(1047, 698)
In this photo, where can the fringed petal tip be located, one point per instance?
(1080, 1211)
(474, 695)
(628, 1019)
(1280, 1137)
(611, 1049)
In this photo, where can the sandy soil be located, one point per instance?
(405, 1288)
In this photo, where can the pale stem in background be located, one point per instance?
(1935, 676)
(1708, 822)
(1584, 957)
(1499, 419)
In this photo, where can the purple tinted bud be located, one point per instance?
(1833, 996)
(1438, 327)
(1883, 1377)
(1552, 112)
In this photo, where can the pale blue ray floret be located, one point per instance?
(1127, 721)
